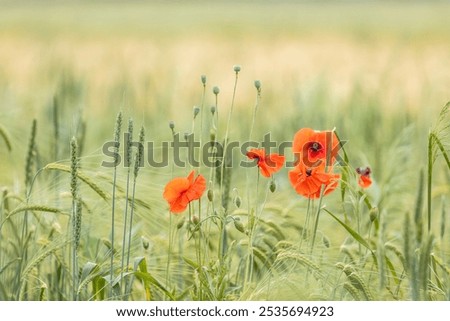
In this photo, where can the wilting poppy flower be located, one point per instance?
(268, 164)
(364, 177)
(308, 181)
(312, 146)
(180, 191)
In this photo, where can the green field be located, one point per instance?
(378, 73)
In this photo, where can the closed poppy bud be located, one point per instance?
(373, 214)
(145, 242)
(210, 195)
(237, 68)
(213, 109)
(239, 226)
(180, 223)
(171, 125)
(272, 186)
(326, 241)
(195, 219)
(216, 90)
(203, 78)
(237, 201)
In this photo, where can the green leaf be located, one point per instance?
(352, 232)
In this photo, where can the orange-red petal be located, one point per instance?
(310, 145)
(197, 188)
(364, 181)
(268, 164)
(308, 182)
(180, 191)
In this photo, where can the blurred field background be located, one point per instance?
(378, 71)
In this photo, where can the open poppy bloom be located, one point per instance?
(312, 147)
(364, 177)
(268, 164)
(308, 181)
(180, 191)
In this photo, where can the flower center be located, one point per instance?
(316, 147)
(308, 172)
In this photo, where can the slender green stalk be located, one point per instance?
(29, 165)
(316, 223)
(137, 164)
(128, 156)
(117, 132)
(429, 178)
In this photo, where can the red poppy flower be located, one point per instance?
(364, 177)
(312, 146)
(180, 191)
(308, 181)
(268, 164)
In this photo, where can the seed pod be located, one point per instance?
(258, 85)
(196, 111)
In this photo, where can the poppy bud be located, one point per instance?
(180, 223)
(212, 135)
(171, 125)
(210, 195)
(239, 226)
(326, 241)
(145, 242)
(213, 110)
(203, 78)
(373, 214)
(195, 219)
(236, 68)
(237, 201)
(272, 186)
(216, 90)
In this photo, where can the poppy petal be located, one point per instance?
(175, 188)
(197, 189)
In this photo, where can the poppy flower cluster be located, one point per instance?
(312, 177)
(315, 153)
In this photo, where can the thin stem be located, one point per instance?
(122, 264)
(430, 176)
(316, 224)
(130, 230)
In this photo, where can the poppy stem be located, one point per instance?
(316, 223)
(305, 227)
